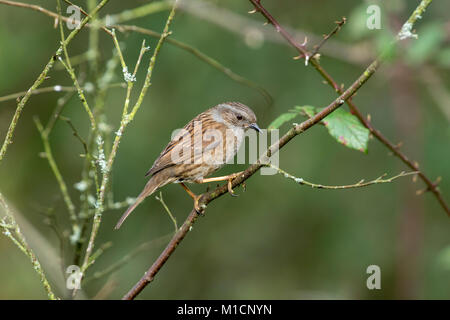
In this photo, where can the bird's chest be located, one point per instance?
(222, 146)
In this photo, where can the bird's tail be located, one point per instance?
(154, 183)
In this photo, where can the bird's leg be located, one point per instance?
(193, 196)
(229, 177)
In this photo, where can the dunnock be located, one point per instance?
(203, 146)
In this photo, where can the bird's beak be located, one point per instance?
(255, 127)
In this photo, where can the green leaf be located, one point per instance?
(342, 125)
(346, 129)
(282, 118)
(285, 117)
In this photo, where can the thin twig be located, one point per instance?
(60, 104)
(338, 27)
(359, 184)
(68, 65)
(86, 15)
(56, 88)
(203, 57)
(126, 258)
(99, 252)
(139, 12)
(12, 230)
(76, 134)
(51, 13)
(174, 220)
(62, 184)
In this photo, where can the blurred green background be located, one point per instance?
(277, 240)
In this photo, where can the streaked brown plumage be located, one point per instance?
(203, 146)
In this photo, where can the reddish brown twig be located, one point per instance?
(338, 27)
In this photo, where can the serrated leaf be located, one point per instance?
(347, 130)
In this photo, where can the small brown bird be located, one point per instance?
(202, 147)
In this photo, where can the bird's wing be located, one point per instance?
(181, 148)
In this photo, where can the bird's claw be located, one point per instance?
(230, 188)
(197, 207)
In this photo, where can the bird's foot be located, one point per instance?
(230, 188)
(200, 209)
(230, 184)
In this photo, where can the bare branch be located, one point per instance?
(360, 184)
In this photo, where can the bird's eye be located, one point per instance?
(239, 117)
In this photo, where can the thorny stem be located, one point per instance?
(338, 27)
(207, 197)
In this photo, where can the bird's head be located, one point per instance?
(238, 115)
